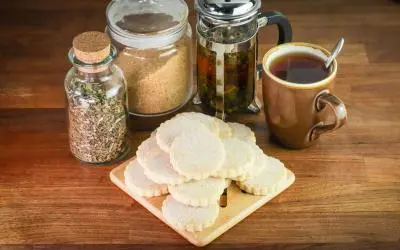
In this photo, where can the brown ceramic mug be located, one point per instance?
(297, 113)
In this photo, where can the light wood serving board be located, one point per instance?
(240, 205)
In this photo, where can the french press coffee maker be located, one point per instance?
(227, 68)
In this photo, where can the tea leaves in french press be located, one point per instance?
(227, 52)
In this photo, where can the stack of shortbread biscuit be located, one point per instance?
(194, 157)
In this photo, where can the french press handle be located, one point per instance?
(275, 17)
(284, 28)
(285, 35)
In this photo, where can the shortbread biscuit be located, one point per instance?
(225, 130)
(267, 181)
(137, 182)
(156, 163)
(198, 154)
(239, 158)
(169, 130)
(259, 163)
(199, 193)
(207, 120)
(160, 170)
(192, 219)
(242, 132)
(147, 149)
(227, 182)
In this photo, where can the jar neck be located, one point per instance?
(92, 73)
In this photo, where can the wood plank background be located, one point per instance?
(347, 193)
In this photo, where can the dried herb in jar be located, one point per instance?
(97, 123)
(97, 112)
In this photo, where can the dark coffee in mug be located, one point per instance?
(300, 68)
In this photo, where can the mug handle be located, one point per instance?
(339, 109)
(285, 35)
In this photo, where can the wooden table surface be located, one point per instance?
(347, 192)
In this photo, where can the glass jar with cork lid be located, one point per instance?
(95, 91)
(154, 41)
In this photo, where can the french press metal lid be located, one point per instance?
(228, 10)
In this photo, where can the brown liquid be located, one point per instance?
(299, 68)
(239, 79)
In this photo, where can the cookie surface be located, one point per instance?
(227, 182)
(242, 132)
(225, 130)
(147, 149)
(137, 182)
(159, 170)
(198, 154)
(267, 181)
(206, 120)
(199, 193)
(239, 157)
(169, 130)
(188, 218)
(156, 163)
(259, 163)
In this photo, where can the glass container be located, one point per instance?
(154, 40)
(227, 49)
(96, 96)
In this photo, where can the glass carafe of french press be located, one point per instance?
(227, 46)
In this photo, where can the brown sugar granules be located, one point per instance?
(158, 80)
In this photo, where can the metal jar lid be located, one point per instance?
(228, 9)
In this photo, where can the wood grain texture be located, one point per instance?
(347, 192)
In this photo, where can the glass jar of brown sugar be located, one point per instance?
(154, 40)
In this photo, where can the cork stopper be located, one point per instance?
(91, 47)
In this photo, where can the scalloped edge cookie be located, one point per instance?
(225, 130)
(206, 120)
(169, 130)
(157, 164)
(198, 154)
(199, 193)
(267, 181)
(191, 219)
(242, 132)
(239, 157)
(260, 162)
(147, 149)
(137, 182)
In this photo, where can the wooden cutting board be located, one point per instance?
(240, 205)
